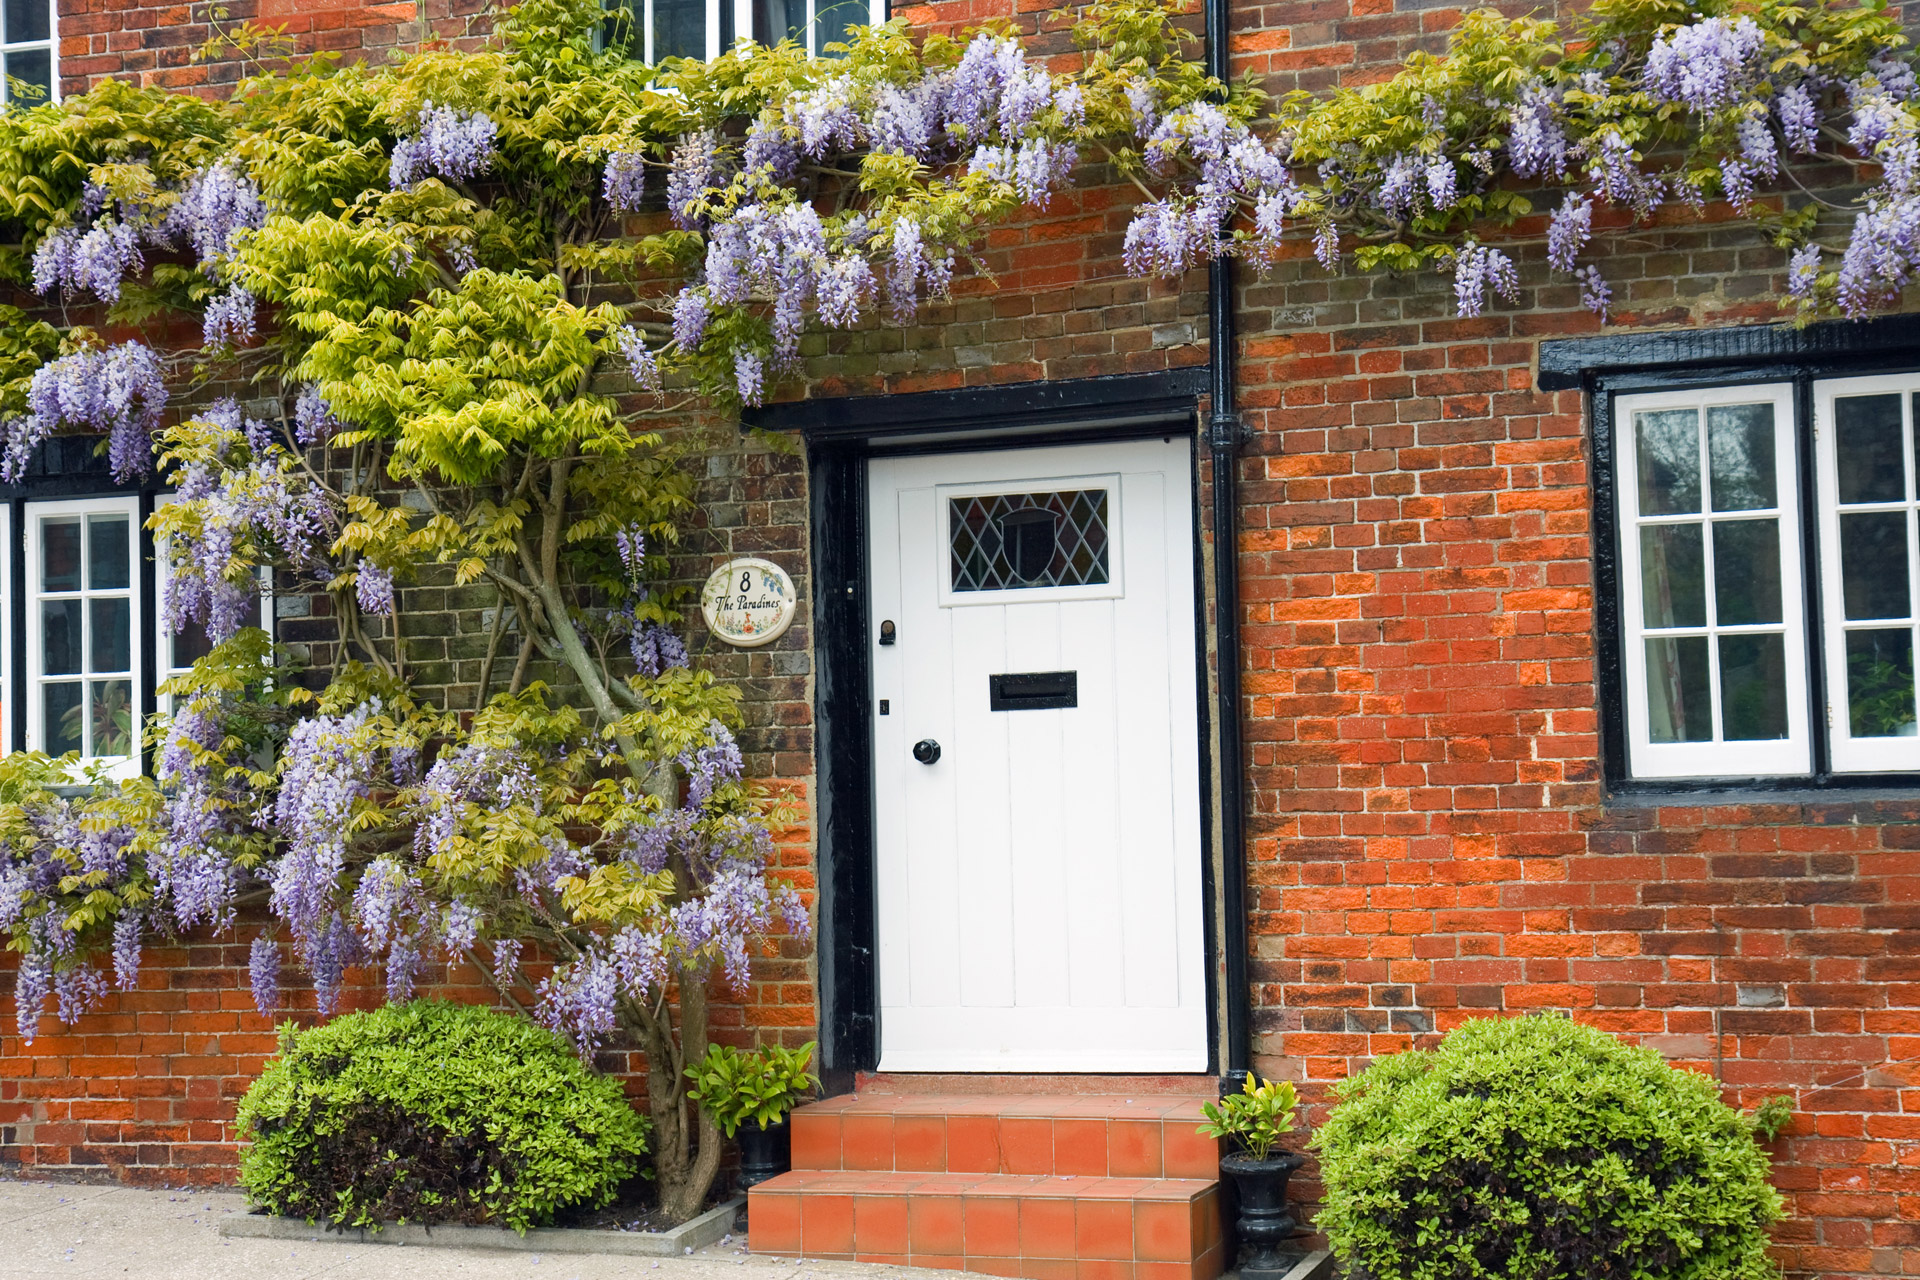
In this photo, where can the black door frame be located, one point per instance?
(840, 437)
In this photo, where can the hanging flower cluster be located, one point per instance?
(1622, 116)
(119, 392)
(989, 130)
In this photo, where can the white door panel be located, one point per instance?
(1039, 884)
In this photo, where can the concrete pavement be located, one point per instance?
(66, 1231)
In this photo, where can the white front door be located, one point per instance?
(1038, 872)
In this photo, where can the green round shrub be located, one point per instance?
(434, 1112)
(1538, 1148)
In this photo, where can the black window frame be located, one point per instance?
(1608, 367)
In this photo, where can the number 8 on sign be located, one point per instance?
(748, 602)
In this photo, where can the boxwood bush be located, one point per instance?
(434, 1112)
(1538, 1148)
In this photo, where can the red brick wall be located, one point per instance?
(158, 42)
(1431, 838)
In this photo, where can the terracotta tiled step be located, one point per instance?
(1142, 1137)
(1049, 1228)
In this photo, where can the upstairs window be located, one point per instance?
(27, 50)
(1758, 639)
(655, 29)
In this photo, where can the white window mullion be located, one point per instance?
(1869, 658)
(1770, 735)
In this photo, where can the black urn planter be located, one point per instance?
(1265, 1222)
(764, 1153)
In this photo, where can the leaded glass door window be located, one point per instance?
(1055, 539)
(1711, 600)
(1869, 561)
(83, 615)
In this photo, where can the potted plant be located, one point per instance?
(749, 1096)
(1254, 1120)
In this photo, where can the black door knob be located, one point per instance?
(926, 751)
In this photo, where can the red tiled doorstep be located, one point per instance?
(1101, 1136)
(1041, 1227)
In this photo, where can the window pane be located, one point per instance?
(1746, 572)
(108, 553)
(1679, 695)
(60, 555)
(1740, 461)
(1753, 687)
(33, 67)
(1673, 579)
(59, 637)
(1867, 446)
(111, 644)
(60, 707)
(191, 643)
(777, 20)
(26, 20)
(1880, 684)
(679, 29)
(110, 716)
(833, 19)
(1668, 454)
(1873, 564)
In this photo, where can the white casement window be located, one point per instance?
(1864, 442)
(84, 670)
(1713, 629)
(28, 51)
(175, 651)
(706, 28)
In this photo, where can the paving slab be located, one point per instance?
(65, 1231)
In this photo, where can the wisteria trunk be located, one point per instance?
(686, 1143)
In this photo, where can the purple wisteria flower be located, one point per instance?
(691, 312)
(1803, 272)
(1706, 65)
(229, 321)
(263, 975)
(313, 419)
(218, 203)
(625, 182)
(749, 376)
(1799, 115)
(1569, 230)
(118, 391)
(1536, 144)
(770, 152)
(826, 118)
(691, 174)
(450, 144)
(373, 589)
(127, 932)
(641, 365)
(327, 766)
(98, 259)
(1476, 268)
(656, 649)
(1595, 294)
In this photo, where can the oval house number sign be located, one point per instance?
(748, 602)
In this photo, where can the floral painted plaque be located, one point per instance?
(748, 602)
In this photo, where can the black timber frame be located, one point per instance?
(1623, 364)
(840, 436)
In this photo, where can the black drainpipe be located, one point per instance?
(1224, 435)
